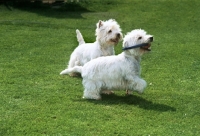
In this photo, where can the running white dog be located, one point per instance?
(116, 72)
(108, 34)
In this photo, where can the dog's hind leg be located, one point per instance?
(72, 62)
(91, 90)
(91, 94)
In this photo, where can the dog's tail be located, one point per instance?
(76, 69)
(79, 37)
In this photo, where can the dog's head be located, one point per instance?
(137, 42)
(108, 32)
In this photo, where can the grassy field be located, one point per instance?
(35, 45)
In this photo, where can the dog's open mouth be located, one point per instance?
(147, 47)
(115, 40)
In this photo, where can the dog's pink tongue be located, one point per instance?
(147, 47)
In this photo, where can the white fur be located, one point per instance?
(121, 72)
(108, 34)
(79, 37)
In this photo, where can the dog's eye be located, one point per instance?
(109, 31)
(139, 38)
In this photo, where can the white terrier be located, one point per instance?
(116, 72)
(108, 34)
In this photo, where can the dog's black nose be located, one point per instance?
(118, 35)
(151, 39)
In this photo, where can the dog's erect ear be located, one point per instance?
(100, 24)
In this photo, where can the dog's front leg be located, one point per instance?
(140, 84)
(135, 84)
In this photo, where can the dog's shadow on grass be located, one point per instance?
(133, 100)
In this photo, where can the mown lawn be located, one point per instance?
(35, 45)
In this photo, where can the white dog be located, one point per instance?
(108, 34)
(116, 72)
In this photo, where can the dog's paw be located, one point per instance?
(141, 85)
(128, 92)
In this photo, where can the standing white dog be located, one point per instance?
(108, 34)
(116, 72)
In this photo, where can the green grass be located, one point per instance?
(35, 46)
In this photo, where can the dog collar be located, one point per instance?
(135, 46)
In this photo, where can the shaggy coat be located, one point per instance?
(108, 34)
(121, 72)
